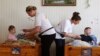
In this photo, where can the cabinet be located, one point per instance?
(27, 50)
(77, 51)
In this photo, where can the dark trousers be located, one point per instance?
(60, 45)
(46, 41)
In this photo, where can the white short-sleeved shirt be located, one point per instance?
(44, 23)
(30, 22)
(64, 26)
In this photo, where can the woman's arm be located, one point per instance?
(33, 32)
(72, 35)
(27, 30)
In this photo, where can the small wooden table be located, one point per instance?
(27, 50)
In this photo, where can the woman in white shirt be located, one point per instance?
(42, 26)
(64, 30)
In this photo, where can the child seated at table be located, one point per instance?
(11, 35)
(88, 37)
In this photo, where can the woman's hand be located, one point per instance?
(25, 30)
(77, 36)
(27, 34)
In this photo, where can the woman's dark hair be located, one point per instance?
(76, 16)
(87, 28)
(11, 27)
(30, 8)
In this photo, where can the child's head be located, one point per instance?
(12, 29)
(87, 30)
